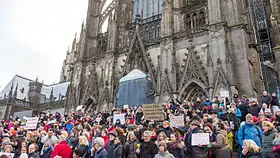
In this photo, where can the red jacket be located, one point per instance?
(62, 149)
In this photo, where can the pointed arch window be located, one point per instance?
(147, 8)
(196, 20)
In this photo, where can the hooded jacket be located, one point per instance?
(251, 131)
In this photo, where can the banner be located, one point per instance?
(10, 155)
(31, 122)
(153, 112)
(121, 117)
(177, 121)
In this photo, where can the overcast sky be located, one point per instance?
(35, 35)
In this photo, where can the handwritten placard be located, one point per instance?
(200, 139)
(121, 117)
(31, 122)
(177, 121)
(153, 112)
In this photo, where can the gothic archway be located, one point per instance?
(193, 90)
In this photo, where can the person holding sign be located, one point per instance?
(195, 151)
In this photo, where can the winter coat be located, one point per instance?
(176, 149)
(164, 155)
(138, 117)
(101, 153)
(62, 149)
(254, 110)
(110, 149)
(130, 149)
(221, 145)
(195, 151)
(167, 131)
(72, 141)
(252, 155)
(118, 151)
(268, 138)
(47, 152)
(274, 101)
(266, 99)
(34, 155)
(83, 149)
(148, 150)
(251, 131)
(275, 151)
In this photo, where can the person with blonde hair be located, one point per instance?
(83, 145)
(250, 149)
(269, 133)
(130, 145)
(161, 137)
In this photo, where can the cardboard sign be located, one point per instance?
(31, 122)
(153, 112)
(200, 139)
(224, 94)
(177, 121)
(121, 117)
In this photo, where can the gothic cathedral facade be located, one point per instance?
(188, 48)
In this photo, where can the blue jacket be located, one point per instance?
(238, 113)
(252, 132)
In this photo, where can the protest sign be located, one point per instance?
(121, 117)
(31, 122)
(10, 155)
(200, 139)
(153, 112)
(125, 106)
(224, 94)
(177, 121)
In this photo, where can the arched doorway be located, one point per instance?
(193, 90)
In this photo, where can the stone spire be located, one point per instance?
(11, 90)
(51, 95)
(15, 92)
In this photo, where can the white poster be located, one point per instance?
(31, 122)
(200, 139)
(121, 117)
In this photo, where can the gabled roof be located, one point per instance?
(23, 87)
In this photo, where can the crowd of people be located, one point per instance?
(242, 126)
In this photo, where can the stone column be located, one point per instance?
(214, 11)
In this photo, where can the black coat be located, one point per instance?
(34, 155)
(118, 151)
(148, 150)
(110, 149)
(254, 110)
(274, 101)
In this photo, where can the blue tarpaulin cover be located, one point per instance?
(135, 89)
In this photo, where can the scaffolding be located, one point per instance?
(262, 27)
